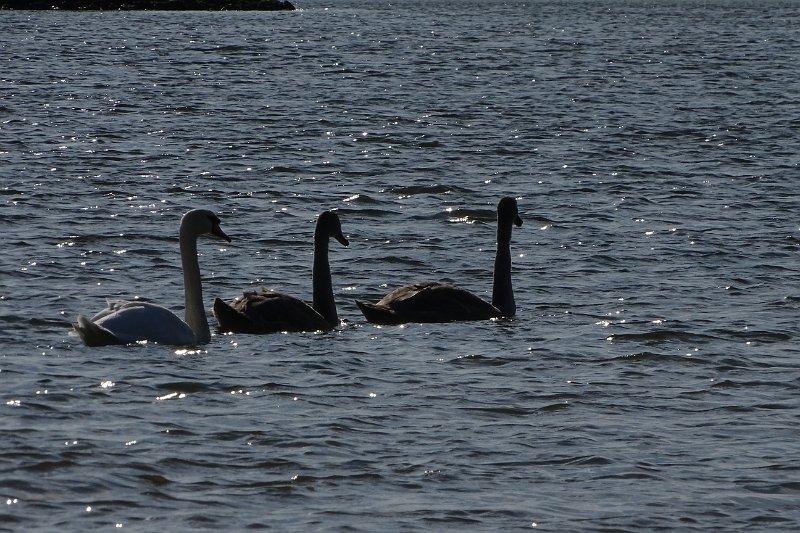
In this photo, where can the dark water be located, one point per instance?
(649, 381)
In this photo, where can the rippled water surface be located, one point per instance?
(650, 378)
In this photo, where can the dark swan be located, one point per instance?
(124, 322)
(269, 312)
(441, 302)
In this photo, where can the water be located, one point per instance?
(649, 381)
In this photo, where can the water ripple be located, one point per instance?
(650, 365)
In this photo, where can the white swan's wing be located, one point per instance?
(142, 321)
(114, 306)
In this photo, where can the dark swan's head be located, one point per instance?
(329, 225)
(507, 212)
(200, 221)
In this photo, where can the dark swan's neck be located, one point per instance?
(502, 293)
(324, 304)
(192, 289)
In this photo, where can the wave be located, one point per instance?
(664, 335)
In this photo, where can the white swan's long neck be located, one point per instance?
(502, 292)
(324, 303)
(193, 289)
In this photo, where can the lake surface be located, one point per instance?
(650, 380)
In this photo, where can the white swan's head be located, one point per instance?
(200, 221)
(329, 225)
(508, 213)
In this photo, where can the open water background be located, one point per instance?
(650, 380)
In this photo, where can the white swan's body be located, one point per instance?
(442, 302)
(132, 321)
(268, 311)
(125, 322)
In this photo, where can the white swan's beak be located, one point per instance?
(216, 230)
(342, 239)
(518, 221)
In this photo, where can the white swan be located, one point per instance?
(269, 312)
(442, 302)
(124, 322)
